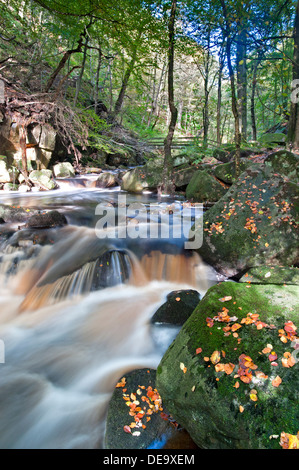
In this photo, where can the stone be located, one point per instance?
(177, 308)
(42, 179)
(284, 163)
(281, 275)
(106, 180)
(204, 382)
(5, 175)
(255, 223)
(64, 170)
(118, 413)
(46, 220)
(10, 187)
(226, 171)
(24, 188)
(142, 178)
(204, 187)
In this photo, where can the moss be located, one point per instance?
(209, 397)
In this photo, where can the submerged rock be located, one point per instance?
(106, 180)
(231, 375)
(47, 220)
(177, 308)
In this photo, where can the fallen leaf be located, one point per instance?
(226, 298)
(277, 381)
(215, 358)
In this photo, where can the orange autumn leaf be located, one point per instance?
(229, 368)
(260, 375)
(215, 358)
(277, 381)
(241, 409)
(127, 429)
(289, 441)
(236, 326)
(272, 356)
(198, 350)
(237, 385)
(226, 298)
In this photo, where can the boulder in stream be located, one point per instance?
(230, 377)
(135, 418)
(47, 220)
(64, 170)
(177, 308)
(204, 187)
(255, 223)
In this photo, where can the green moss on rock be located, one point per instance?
(206, 402)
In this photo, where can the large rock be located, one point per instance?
(255, 223)
(204, 187)
(44, 137)
(106, 180)
(142, 178)
(218, 380)
(43, 179)
(282, 275)
(178, 307)
(64, 170)
(284, 163)
(227, 171)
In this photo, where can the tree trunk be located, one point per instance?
(219, 100)
(23, 149)
(79, 81)
(96, 85)
(293, 131)
(168, 185)
(66, 57)
(242, 82)
(252, 107)
(238, 136)
(125, 82)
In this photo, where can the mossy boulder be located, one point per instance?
(222, 155)
(272, 275)
(64, 170)
(141, 179)
(43, 179)
(284, 163)
(178, 307)
(138, 389)
(227, 171)
(218, 380)
(204, 187)
(106, 180)
(255, 223)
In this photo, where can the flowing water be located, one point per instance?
(75, 315)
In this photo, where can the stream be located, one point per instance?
(75, 313)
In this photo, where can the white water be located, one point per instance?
(63, 360)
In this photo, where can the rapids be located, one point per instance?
(75, 316)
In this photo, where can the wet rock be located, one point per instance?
(177, 308)
(43, 179)
(47, 220)
(201, 377)
(106, 180)
(141, 383)
(227, 173)
(64, 170)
